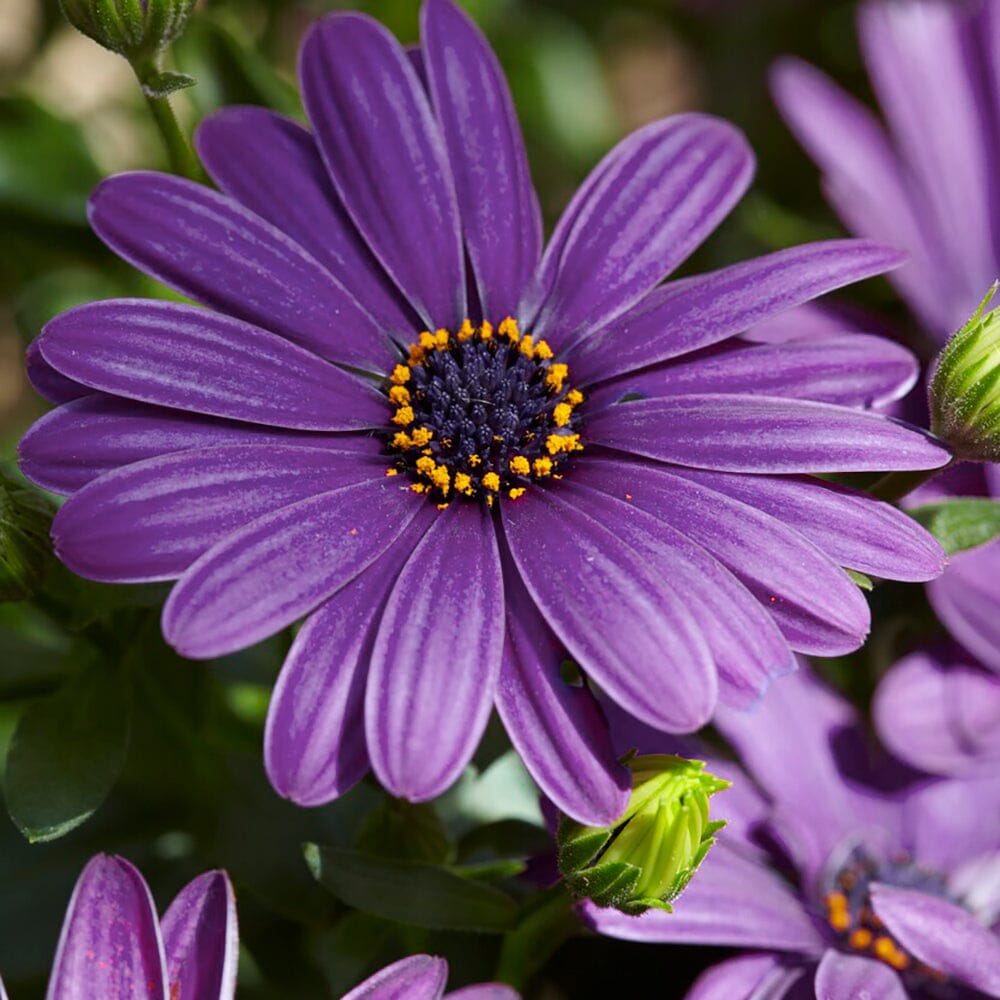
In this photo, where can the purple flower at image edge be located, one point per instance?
(461, 458)
(423, 977)
(113, 945)
(844, 879)
(902, 183)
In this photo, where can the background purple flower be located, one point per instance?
(112, 944)
(260, 450)
(423, 977)
(842, 878)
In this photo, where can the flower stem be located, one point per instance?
(181, 156)
(550, 920)
(893, 486)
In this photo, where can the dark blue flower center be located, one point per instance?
(850, 914)
(481, 414)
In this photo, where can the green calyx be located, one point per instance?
(648, 858)
(136, 29)
(965, 390)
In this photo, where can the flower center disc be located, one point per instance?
(481, 413)
(850, 914)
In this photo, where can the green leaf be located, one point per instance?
(67, 753)
(411, 892)
(25, 516)
(961, 524)
(163, 84)
(404, 830)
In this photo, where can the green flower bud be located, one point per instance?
(965, 390)
(649, 857)
(25, 517)
(136, 29)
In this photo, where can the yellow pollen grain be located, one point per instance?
(840, 920)
(486, 330)
(441, 478)
(392, 472)
(527, 346)
(463, 484)
(426, 465)
(441, 339)
(422, 436)
(574, 397)
(465, 332)
(860, 939)
(885, 948)
(836, 901)
(403, 416)
(543, 351)
(400, 374)
(416, 354)
(556, 376)
(520, 466)
(491, 481)
(427, 340)
(490, 500)
(508, 328)
(561, 414)
(419, 487)
(442, 506)
(399, 394)
(556, 443)
(543, 466)
(517, 491)
(474, 460)
(402, 440)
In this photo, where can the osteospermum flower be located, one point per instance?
(845, 881)
(423, 977)
(463, 459)
(113, 945)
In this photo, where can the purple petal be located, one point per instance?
(941, 935)
(701, 311)
(485, 991)
(734, 433)
(815, 604)
(3, 991)
(732, 901)
(967, 598)
(497, 202)
(271, 165)
(745, 644)
(865, 182)
(929, 120)
(420, 977)
(746, 977)
(46, 381)
(617, 617)
(212, 249)
(263, 577)
(852, 528)
(787, 745)
(110, 945)
(201, 939)
(436, 659)
(939, 714)
(151, 520)
(848, 977)
(82, 440)
(850, 370)
(557, 729)
(647, 205)
(314, 741)
(192, 359)
(385, 153)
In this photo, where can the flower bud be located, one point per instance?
(648, 858)
(965, 389)
(136, 29)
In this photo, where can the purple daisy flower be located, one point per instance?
(112, 944)
(402, 419)
(423, 977)
(843, 890)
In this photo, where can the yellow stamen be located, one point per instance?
(419, 487)
(556, 376)
(860, 939)
(400, 374)
(518, 491)
(392, 472)
(574, 397)
(556, 443)
(543, 351)
(474, 460)
(463, 484)
(520, 465)
(486, 330)
(403, 416)
(399, 394)
(426, 465)
(442, 506)
(527, 346)
(441, 478)
(465, 332)
(422, 436)
(561, 414)
(508, 328)
(402, 440)
(491, 481)
(441, 339)
(543, 466)
(428, 341)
